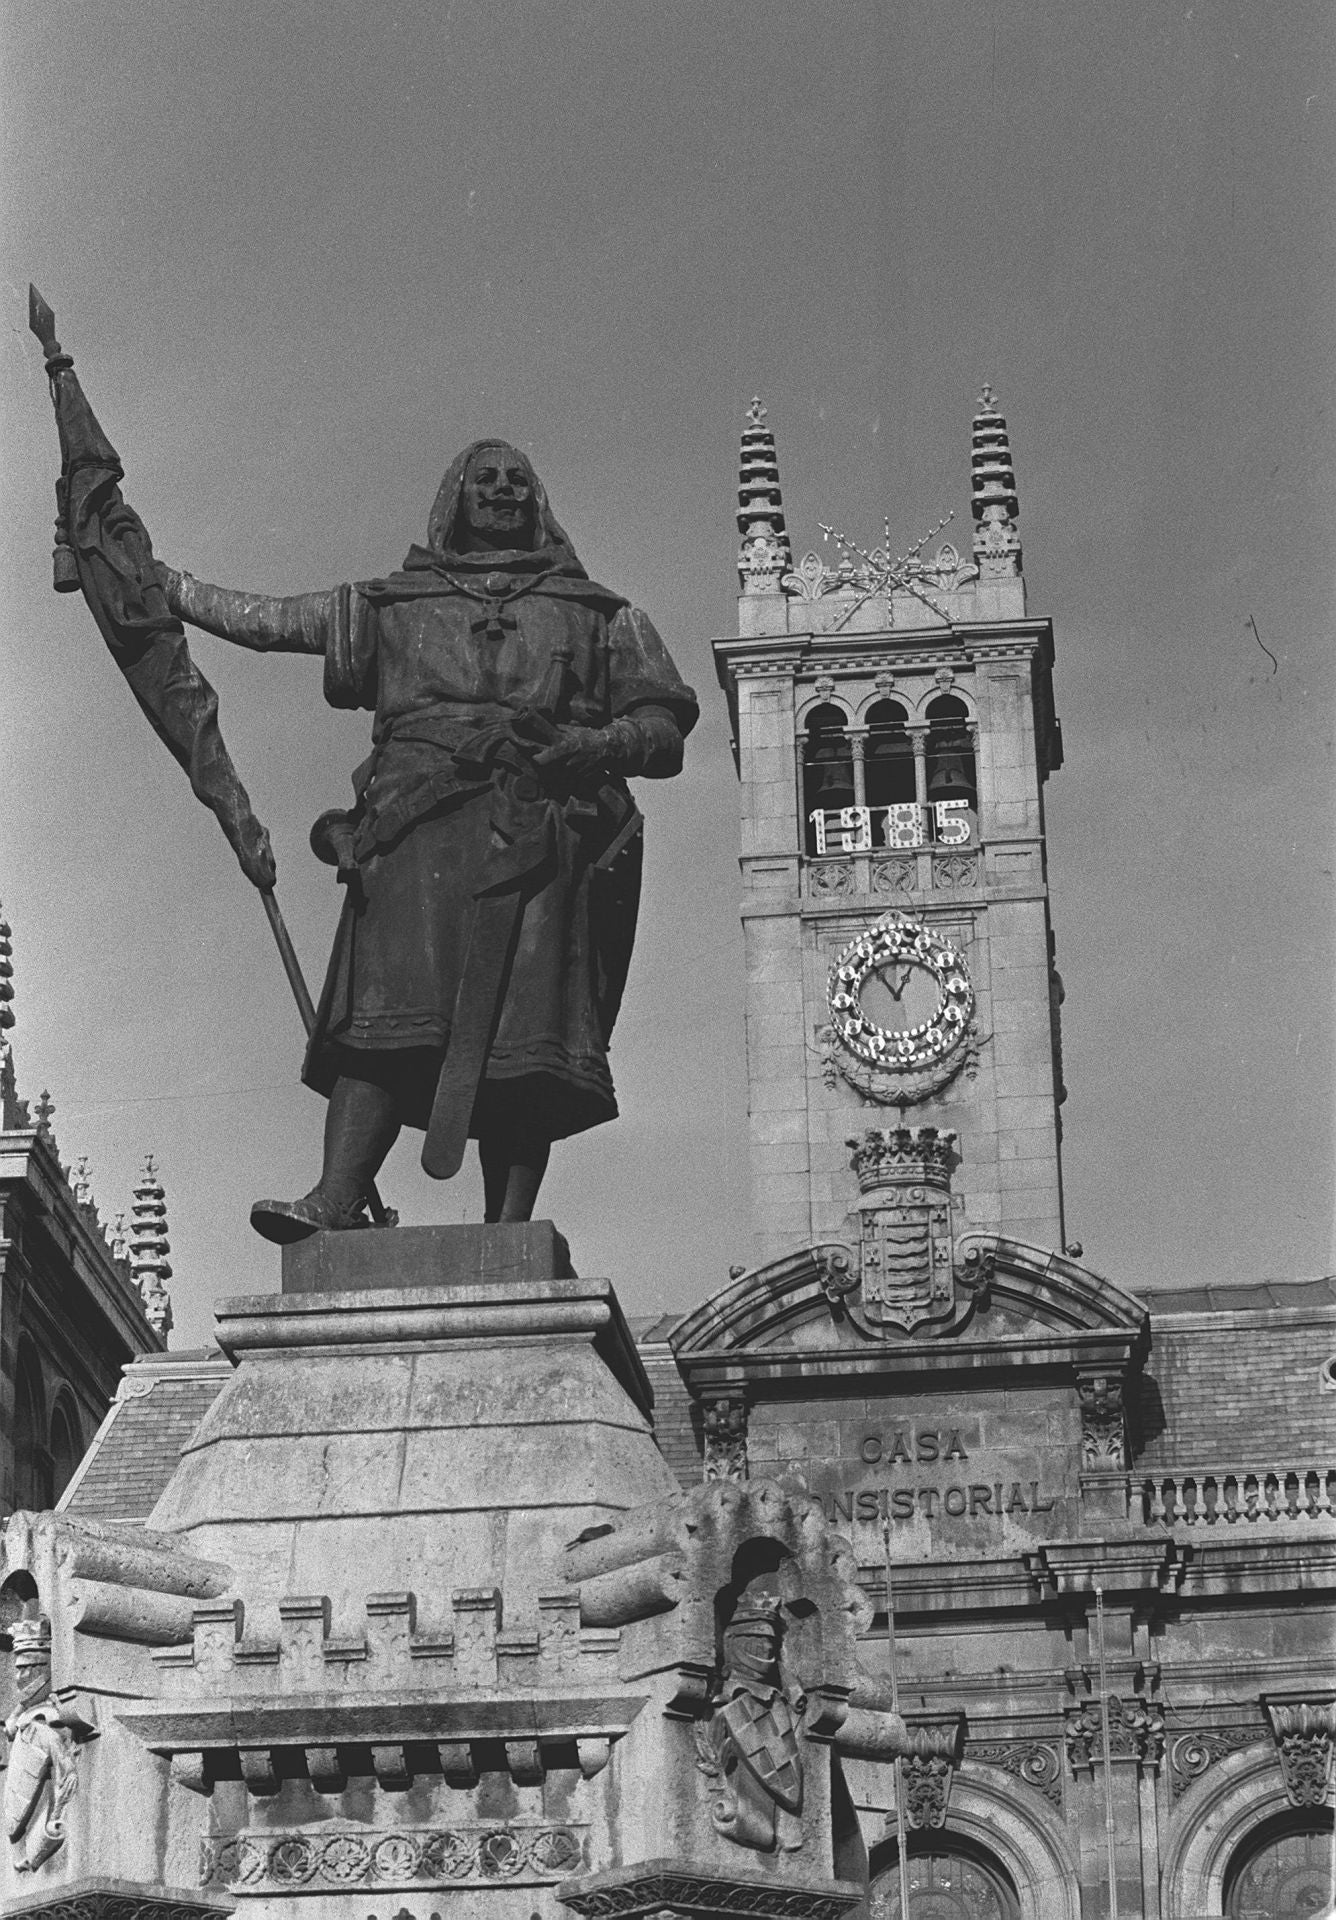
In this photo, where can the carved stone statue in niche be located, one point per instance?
(750, 1744)
(43, 1731)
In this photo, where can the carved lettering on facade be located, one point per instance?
(872, 1506)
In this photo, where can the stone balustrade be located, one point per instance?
(1208, 1496)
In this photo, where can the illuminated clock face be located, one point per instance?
(902, 1005)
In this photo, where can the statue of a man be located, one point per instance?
(492, 856)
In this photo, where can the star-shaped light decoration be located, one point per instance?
(876, 572)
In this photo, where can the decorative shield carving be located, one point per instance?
(906, 1248)
(765, 1735)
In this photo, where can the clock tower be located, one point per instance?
(894, 728)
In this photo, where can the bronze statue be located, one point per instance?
(492, 854)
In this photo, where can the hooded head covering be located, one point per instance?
(551, 551)
(551, 565)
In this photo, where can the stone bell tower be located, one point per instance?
(894, 728)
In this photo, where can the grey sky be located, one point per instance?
(303, 252)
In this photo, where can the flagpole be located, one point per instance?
(301, 993)
(901, 1824)
(84, 449)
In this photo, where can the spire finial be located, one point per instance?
(149, 1248)
(765, 555)
(13, 1111)
(994, 500)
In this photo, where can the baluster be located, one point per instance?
(1271, 1487)
(1210, 1494)
(1252, 1494)
(1190, 1513)
(1231, 1491)
(1291, 1496)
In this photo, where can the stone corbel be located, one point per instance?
(1103, 1421)
(1303, 1727)
(935, 1744)
(724, 1420)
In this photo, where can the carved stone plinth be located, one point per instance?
(515, 1251)
(680, 1890)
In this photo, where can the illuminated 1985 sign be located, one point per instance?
(860, 829)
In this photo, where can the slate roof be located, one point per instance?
(161, 1400)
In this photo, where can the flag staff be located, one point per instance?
(102, 548)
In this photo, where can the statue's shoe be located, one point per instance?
(284, 1221)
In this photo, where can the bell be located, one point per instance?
(949, 780)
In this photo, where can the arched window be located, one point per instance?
(948, 1880)
(951, 769)
(32, 1462)
(1283, 1870)
(828, 767)
(66, 1445)
(888, 756)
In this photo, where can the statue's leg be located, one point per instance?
(514, 1160)
(360, 1128)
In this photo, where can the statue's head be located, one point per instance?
(498, 508)
(492, 501)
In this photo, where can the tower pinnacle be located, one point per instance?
(13, 1111)
(994, 500)
(150, 1247)
(765, 555)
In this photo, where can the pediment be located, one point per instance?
(1004, 1294)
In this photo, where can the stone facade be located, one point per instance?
(920, 1558)
(72, 1312)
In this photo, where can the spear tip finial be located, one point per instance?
(42, 320)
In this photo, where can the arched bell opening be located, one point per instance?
(888, 756)
(952, 770)
(828, 769)
(950, 1878)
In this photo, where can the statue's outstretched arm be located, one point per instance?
(292, 623)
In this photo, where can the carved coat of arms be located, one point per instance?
(906, 1241)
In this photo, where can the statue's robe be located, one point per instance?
(449, 654)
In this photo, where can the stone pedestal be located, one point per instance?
(420, 1409)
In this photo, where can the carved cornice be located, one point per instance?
(678, 1890)
(99, 1898)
